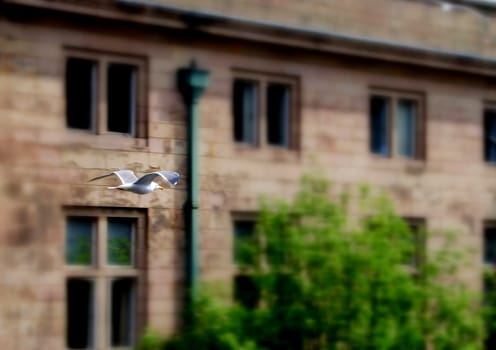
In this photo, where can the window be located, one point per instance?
(264, 111)
(245, 111)
(80, 93)
(103, 256)
(490, 135)
(246, 290)
(417, 229)
(489, 259)
(105, 94)
(396, 125)
(278, 114)
(490, 246)
(411, 233)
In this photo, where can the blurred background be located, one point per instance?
(242, 98)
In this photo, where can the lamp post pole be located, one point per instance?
(191, 82)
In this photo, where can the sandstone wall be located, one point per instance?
(44, 166)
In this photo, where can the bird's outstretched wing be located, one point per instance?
(126, 176)
(169, 176)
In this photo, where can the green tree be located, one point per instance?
(332, 280)
(331, 277)
(216, 326)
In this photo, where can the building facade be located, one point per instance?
(396, 93)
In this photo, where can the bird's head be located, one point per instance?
(155, 186)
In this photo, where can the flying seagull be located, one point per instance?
(144, 184)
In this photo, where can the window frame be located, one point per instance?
(395, 96)
(487, 106)
(102, 274)
(487, 225)
(99, 119)
(238, 271)
(418, 227)
(262, 80)
(488, 272)
(256, 110)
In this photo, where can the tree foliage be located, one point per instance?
(339, 275)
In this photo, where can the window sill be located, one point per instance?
(411, 166)
(397, 158)
(488, 169)
(266, 152)
(105, 141)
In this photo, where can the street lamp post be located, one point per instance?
(191, 82)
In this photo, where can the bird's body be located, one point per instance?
(142, 185)
(139, 189)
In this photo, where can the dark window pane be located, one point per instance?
(80, 89)
(244, 228)
(243, 236)
(245, 111)
(416, 256)
(278, 114)
(490, 246)
(79, 241)
(120, 241)
(490, 304)
(79, 313)
(121, 98)
(122, 295)
(379, 125)
(490, 135)
(246, 291)
(406, 119)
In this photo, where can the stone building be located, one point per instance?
(396, 93)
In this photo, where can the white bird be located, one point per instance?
(144, 184)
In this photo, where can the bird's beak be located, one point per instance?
(161, 188)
